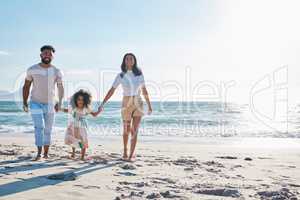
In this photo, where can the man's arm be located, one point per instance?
(26, 90)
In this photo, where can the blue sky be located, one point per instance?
(95, 34)
(220, 41)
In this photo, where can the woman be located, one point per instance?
(132, 80)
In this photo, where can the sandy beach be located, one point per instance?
(165, 168)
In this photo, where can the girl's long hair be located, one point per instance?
(87, 98)
(136, 71)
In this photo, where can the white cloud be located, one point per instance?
(4, 53)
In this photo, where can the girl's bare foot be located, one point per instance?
(72, 157)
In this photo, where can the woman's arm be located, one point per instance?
(146, 96)
(106, 98)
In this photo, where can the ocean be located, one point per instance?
(183, 119)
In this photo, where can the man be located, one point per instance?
(43, 77)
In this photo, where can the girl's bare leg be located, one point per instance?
(126, 130)
(83, 150)
(134, 131)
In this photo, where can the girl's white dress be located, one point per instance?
(76, 133)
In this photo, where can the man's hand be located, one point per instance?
(25, 107)
(26, 90)
(57, 107)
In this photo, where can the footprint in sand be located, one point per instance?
(88, 186)
(126, 173)
(128, 167)
(283, 193)
(224, 192)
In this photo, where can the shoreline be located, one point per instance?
(234, 142)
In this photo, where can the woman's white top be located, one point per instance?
(131, 84)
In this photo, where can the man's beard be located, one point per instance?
(46, 61)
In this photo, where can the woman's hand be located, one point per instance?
(146, 96)
(149, 110)
(100, 108)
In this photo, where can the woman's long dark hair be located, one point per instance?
(136, 71)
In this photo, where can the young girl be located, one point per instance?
(76, 133)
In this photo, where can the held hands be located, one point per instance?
(100, 108)
(57, 107)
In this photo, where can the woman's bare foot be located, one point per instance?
(125, 156)
(131, 159)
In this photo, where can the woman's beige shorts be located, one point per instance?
(132, 106)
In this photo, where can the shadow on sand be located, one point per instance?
(42, 181)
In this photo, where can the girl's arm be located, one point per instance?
(146, 96)
(95, 114)
(106, 98)
(65, 110)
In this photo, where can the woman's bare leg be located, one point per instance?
(126, 130)
(134, 131)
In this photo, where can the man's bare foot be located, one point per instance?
(82, 158)
(38, 157)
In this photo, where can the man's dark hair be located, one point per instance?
(48, 47)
